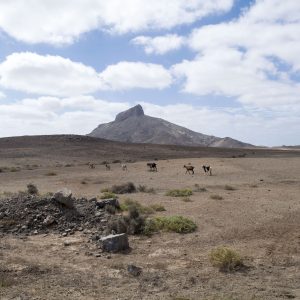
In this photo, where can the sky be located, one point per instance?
(221, 67)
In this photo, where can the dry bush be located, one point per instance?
(177, 224)
(158, 207)
(179, 193)
(129, 203)
(108, 195)
(51, 174)
(116, 161)
(186, 199)
(133, 223)
(199, 189)
(111, 209)
(32, 189)
(125, 188)
(216, 197)
(145, 189)
(227, 260)
(229, 188)
(83, 182)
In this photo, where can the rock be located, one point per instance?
(113, 202)
(115, 243)
(48, 221)
(67, 243)
(134, 270)
(64, 197)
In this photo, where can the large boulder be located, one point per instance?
(115, 243)
(64, 197)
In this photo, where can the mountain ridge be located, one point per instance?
(133, 126)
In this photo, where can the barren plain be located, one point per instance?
(257, 215)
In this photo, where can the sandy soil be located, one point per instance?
(260, 219)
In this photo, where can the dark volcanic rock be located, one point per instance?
(134, 126)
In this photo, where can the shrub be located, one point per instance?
(145, 189)
(116, 161)
(179, 193)
(111, 209)
(32, 189)
(105, 190)
(51, 174)
(108, 195)
(186, 199)
(158, 207)
(177, 224)
(225, 259)
(125, 188)
(13, 169)
(199, 189)
(229, 188)
(216, 197)
(134, 223)
(129, 203)
(83, 182)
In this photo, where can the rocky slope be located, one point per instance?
(134, 126)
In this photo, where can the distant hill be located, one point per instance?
(133, 126)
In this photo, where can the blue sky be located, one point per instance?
(223, 67)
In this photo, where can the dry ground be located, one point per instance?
(260, 219)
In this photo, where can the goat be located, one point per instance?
(107, 167)
(189, 169)
(207, 170)
(152, 166)
(124, 167)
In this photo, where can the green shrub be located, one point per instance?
(129, 203)
(14, 169)
(179, 193)
(32, 189)
(105, 190)
(108, 195)
(177, 224)
(125, 188)
(225, 259)
(216, 197)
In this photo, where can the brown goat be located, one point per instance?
(189, 169)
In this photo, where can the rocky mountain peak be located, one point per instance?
(135, 111)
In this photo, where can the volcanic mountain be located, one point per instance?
(134, 126)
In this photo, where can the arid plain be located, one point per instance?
(257, 215)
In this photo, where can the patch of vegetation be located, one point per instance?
(111, 209)
(32, 189)
(129, 203)
(145, 189)
(177, 224)
(83, 182)
(133, 223)
(108, 195)
(253, 185)
(199, 189)
(51, 174)
(14, 169)
(158, 207)
(229, 188)
(179, 193)
(227, 260)
(105, 190)
(69, 165)
(125, 188)
(216, 197)
(186, 199)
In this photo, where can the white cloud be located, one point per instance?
(255, 58)
(62, 21)
(127, 75)
(2, 95)
(80, 115)
(58, 76)
(51, 75)
(159, 44)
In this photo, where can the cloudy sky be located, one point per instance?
(221, 67)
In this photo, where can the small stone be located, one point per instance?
(35, 232)
(67, 243)
(64, 234)
(64, 197)
(134, 270)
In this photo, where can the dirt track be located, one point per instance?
(260, 219)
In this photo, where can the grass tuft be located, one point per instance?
(32, 189)
(216, 197)
(179, 193)
(108, 195)
(125, 188)
(227, 260)
(229, 188)
(51, 174)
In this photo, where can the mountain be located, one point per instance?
(134, 126)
